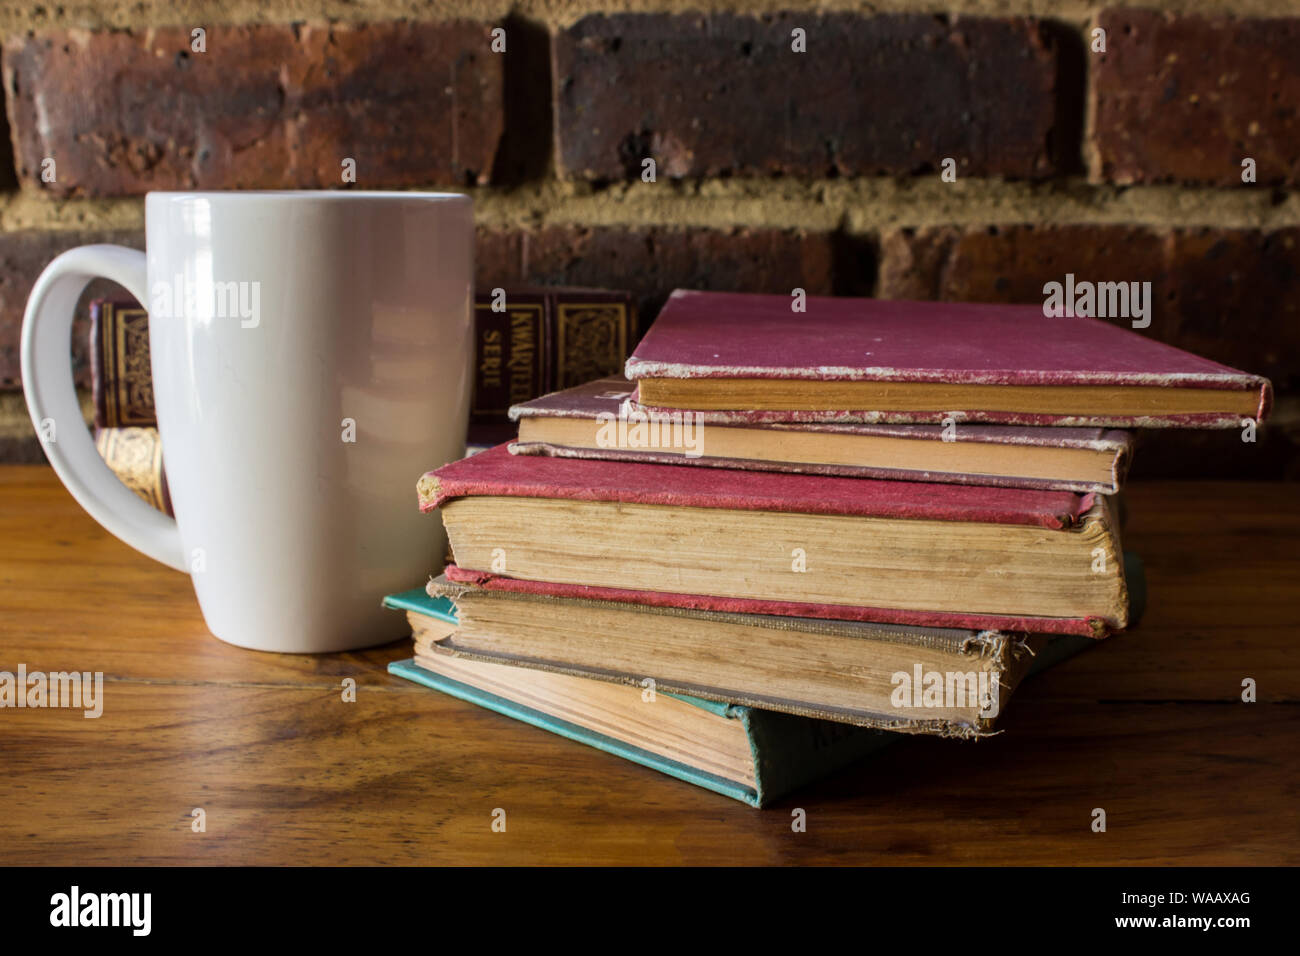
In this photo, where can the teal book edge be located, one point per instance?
(418, 600)
(788, 751)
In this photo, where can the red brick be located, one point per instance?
(1187, 98)
(716, 95)
(652, 261)
(264, 107)
(22, 257)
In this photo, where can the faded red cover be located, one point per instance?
(497, 472)
(608, 396)
(737, 335)
(1088, 627)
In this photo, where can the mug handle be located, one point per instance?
(56, 413)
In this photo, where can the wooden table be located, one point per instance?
(1149, 726)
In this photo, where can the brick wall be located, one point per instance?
(773, 168)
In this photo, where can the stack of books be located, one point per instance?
(798, 529)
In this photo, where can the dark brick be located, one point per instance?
(1232, 295)
(1187, 98)
(718, 95)
(264, 107)
(525, 152)
(652, 261)
(22, 257)
(8, 170)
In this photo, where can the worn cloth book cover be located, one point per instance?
(756, 358)
(915, 680)
(903, 525)
(592, 421)
(786, 752)
(497, 472)
(842, 671)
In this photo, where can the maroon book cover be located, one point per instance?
(497, 472)
(1087, 627)
(512, 352)
(733, 335)
(533, 340)
(121, 383)
(607, 398)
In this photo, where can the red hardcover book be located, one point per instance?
(754, 358)
(776, 543)
(593, 421)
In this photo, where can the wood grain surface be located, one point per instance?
(1148, 725)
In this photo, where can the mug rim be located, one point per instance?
(301, 194)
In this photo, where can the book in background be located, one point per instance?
(121, 385)
(528, 342)
(532, 341)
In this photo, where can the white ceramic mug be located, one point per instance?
(312, 357)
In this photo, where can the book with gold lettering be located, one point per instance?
(532, 341)
(512, 351)
(121, 384)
